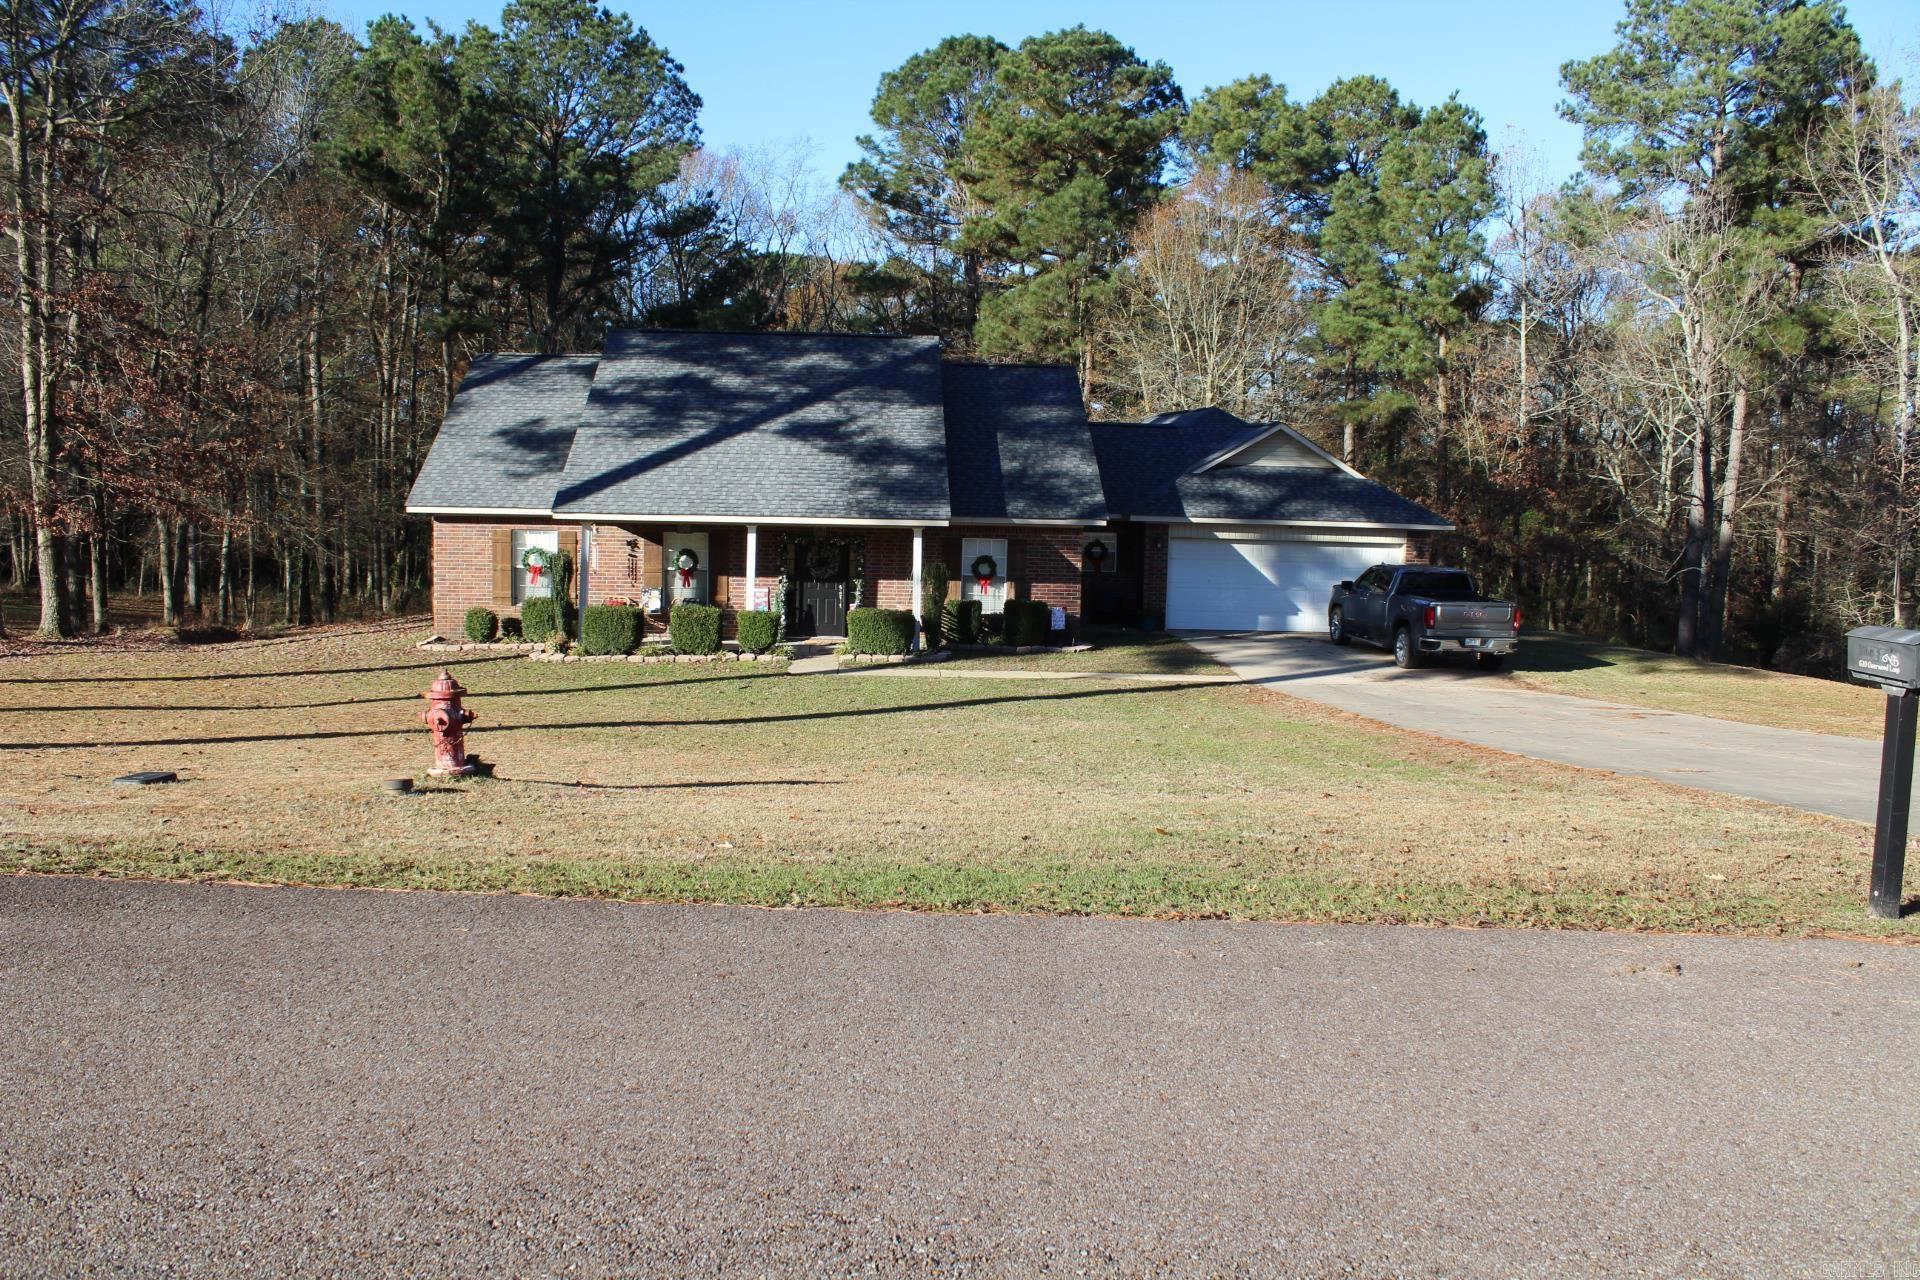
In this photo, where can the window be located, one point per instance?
(1107, 563)
(690, 585)
(527, 585)
(994, 598)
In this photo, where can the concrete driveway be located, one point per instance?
(214, 1080)
(1813, 771)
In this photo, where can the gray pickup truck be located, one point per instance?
(1417, 610)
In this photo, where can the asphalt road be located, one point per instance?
(220, 1080)
(1819, 772)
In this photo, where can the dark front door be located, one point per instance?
(819, 590)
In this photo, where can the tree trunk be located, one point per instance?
(1714, 622)
(1686, 639)
(97, 545)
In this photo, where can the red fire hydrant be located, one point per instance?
(447, 720)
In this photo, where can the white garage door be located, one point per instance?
(1238, 583)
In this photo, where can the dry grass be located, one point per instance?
(1591, 669)
(1115, 649)
(736, 784)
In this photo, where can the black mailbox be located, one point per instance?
(1890, 658)
(1887, 656)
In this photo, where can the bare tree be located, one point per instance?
(1864, 169)
(1209, 310)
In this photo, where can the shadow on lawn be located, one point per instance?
(323, 735)
(123, 708)
(258, 675)
(669, 786)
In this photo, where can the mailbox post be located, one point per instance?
(1890, 658)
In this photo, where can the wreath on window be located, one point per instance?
(823, 561)
(1096, 553)
(984, 570)
(539, 562)
(686, 560)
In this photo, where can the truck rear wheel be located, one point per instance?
(1337, 626)
(1406, 655)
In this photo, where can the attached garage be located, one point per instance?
(1240, 526)
(1263, 579)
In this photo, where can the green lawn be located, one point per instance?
(726, 784)
(1561, 663)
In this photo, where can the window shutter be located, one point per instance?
(720, 547)
(503, 567)
(1016, 568)
(956, 571)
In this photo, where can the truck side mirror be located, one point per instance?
(1347, 585)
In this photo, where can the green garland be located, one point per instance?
(785, 552)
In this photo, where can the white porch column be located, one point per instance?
(753, 563)
(919, 551)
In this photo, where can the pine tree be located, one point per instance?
(1072, 149)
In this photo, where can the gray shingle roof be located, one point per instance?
(1018, 446)
(1144, 466)
(820, 426)
(506, 435)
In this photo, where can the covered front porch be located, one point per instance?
(815, 574)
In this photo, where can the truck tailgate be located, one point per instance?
(1473, 619)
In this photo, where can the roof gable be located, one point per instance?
(1158, 472)
(735, 425)
(1018, 445)
(504, 441)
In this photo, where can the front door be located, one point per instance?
(819, 606)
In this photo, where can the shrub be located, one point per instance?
(759, 628)
(962, 621)
(509, 628)
(610, 628)
(1026, 621)
(880, 630)
(934, 580)
(482, 623)
(695, 628)
(539, 618)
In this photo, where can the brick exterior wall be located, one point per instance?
(1419, 549)
(1153, 573)
(462, 573)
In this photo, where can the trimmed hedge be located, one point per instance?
(610, 628)
(538, 619)
(482, 624)
(880, 630)
(694, 628)
(962, 621)
(1026, 621)
(759, 629)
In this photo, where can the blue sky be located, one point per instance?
(772, 72)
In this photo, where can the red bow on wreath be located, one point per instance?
(533, 574)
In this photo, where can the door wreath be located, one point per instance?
(823, 561)
(985, 569)
(686, 561)
(1096, 553)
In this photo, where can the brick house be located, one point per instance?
(819, 472)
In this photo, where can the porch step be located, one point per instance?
(814, 660)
